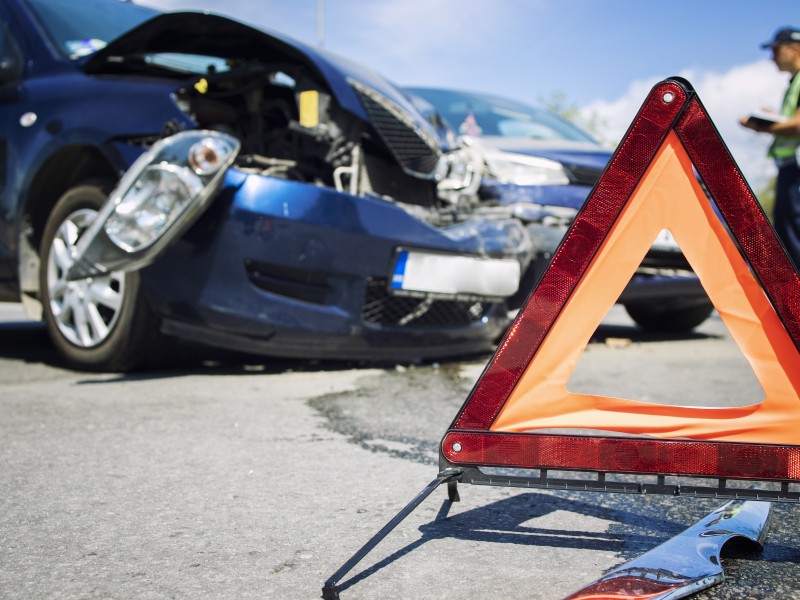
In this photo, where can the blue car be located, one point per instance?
(542, 168)
(183, 175)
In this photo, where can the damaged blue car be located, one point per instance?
(183, 175)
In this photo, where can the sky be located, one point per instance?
(603, 56)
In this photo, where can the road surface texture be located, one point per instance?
(241, 477)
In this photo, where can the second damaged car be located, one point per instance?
(186, 175)
(542, 168)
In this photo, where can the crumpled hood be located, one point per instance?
(571, 154)
(213, 35)
(189, 33)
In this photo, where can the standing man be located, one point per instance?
(785, 47)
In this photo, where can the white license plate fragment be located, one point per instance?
(429, 272)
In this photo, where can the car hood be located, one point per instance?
(213, 35)
(571, 154)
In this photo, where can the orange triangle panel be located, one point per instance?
(649, 185)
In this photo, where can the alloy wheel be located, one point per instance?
(85, 311)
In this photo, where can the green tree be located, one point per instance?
(557, 102)
(766, 197)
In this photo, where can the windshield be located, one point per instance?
(80, 27)
(479, 114)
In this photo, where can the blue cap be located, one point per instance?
(785, 35)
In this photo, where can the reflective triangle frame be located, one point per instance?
(671, 131)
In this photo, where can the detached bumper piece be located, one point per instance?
(687, 563)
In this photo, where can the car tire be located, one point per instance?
(668, 318)
(100, 323)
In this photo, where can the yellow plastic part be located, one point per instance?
(202, 85)
(309, 108)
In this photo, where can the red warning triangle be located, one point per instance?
(649, 185)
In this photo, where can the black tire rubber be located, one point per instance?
(667, 318)
(134, 337)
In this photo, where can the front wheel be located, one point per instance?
(667, 318)
(98, 323)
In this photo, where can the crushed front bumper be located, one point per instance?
(296, 270)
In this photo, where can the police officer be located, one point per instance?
(785, 47)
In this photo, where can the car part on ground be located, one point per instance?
(688, 562)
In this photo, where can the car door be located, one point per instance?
(11, 68)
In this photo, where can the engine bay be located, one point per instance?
(300, 114)
(291, 127)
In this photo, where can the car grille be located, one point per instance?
(300, 284)
(382, 308)
(579, 175)
(415, 154)
(388, 179)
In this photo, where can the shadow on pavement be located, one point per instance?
(27, 341)
(504, 522)
(635, 334)
(630, 534)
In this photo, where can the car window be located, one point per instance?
(80, 27)
(188, 63)
(478, 114)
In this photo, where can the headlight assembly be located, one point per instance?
(159, 197)
(519, 169)
(177, 174)
(458, 175)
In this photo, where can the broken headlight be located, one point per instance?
(159, 197)
(175, 175)
(519, 169)
(458, 175)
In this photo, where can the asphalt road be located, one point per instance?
(236, 477)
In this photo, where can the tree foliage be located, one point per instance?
(766, 197)
(556, 101)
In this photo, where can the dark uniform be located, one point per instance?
(784, 151)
